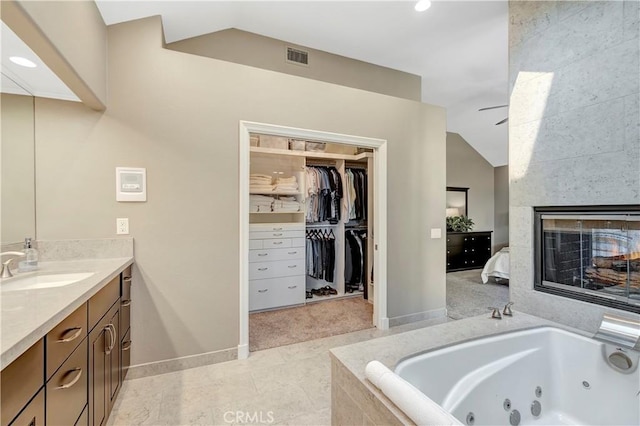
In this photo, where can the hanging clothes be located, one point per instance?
(356, 194)
(355, 260)
(324, 194)
(321, 254)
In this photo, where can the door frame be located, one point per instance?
(379, 146)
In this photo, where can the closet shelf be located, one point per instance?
(276, 212)
(273, 193)
(312, 154)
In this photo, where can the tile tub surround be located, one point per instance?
(354, 400)
(29, 315)
(574, 127)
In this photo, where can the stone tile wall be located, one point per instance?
(574, 115)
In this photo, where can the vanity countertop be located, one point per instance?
(28, 315)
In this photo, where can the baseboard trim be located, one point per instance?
(182, 363)
(419, 316)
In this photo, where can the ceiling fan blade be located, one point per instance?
(502, 121)
(493, 107)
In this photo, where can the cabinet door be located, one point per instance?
(99, 341)
(114, 355)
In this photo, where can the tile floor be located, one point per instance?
(289, 385)
(292, 384)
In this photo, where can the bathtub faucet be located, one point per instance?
(507, 310)
(495, 314)
(620, 331)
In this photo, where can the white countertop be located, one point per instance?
(28, 315)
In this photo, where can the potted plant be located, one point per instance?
(459, 224)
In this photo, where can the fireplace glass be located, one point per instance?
(592, 256)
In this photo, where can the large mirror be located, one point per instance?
(457, 199)
(17, 201)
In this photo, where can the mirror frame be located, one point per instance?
(466, 197)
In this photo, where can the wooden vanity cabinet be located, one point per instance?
(73, 375)
(104, 360)
(20, 381)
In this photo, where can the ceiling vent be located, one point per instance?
(297, 56)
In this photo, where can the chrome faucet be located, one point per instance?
(507, 310)
(6, 271)
(495, 314)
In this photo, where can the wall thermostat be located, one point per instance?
(131, 184)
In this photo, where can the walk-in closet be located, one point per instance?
(310, 238)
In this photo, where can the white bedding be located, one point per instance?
(497, 266)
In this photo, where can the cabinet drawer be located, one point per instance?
(275, 234)
(255, 244)
(276, 243)
(83, 420)
(281, 268)
(269, 255)
(26, 375)
(125, 350)
(67, 389)
(276, 227)
(125, 303)
(273, 293)
(103, 300)
(33, 414)
(64, 338)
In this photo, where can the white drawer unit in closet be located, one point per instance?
(278, 268)
(268, 255)
(276, 292)
(276, 265)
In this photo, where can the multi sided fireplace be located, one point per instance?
(589, 253)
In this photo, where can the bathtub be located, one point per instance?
(564, 378)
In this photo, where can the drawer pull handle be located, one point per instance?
(125, 303)
(277, 243)
(293, 266)
(72, 337)
(262, 254)
(127, 279)
(277, 229)
(262, 269)
(263, 291)
(279, 234)
(74, 380)
(293, 252)
(126, 345)
(291, 287)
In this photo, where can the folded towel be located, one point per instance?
(291, 179)
(259, 176)
(416, 405)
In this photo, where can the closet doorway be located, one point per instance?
(285, 232)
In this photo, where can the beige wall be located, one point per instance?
(467, 168)
(251, 49)
(18, 202)
(177, 115)
(70, 37)
(501, 207)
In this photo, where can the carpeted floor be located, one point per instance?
(313, 321)
(468, 297)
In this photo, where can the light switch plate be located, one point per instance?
(122, 226)
(436, 233)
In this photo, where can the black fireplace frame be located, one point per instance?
(538, 257)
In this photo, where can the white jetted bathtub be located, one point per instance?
(542, 376)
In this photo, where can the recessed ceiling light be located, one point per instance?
(19, 60)
(422, 5)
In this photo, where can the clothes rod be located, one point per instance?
(321, 225)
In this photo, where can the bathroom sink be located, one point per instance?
(35, 282)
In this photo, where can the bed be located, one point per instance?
(497, 266)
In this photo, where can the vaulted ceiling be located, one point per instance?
(459, 48)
